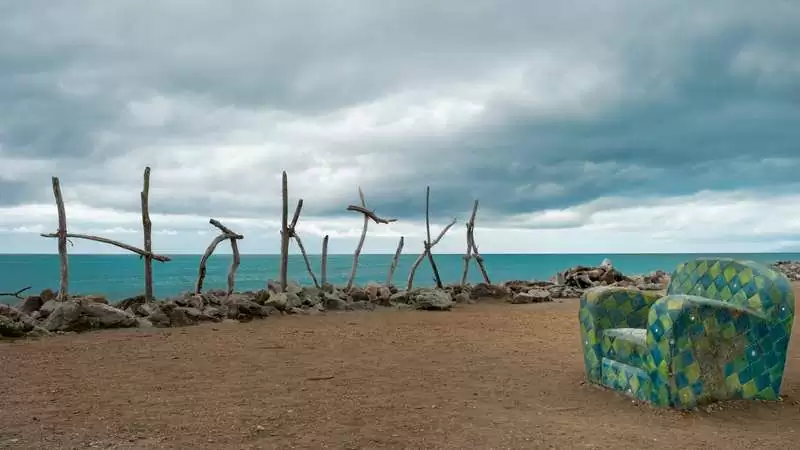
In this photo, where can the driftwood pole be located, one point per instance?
(426, 248)
(63, 236)
(227, 234)
(293, 234)
(284, 233)
(368, 214)
(16, 294)
(395, 261)
(324, 263)
(472, 249)
(435, 269)
(148, 237)
(63, 289)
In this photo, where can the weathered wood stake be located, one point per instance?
(324, 263)
(472, 249)
(435, 269)
(284, 233)
(368, 214)
(63, 289)
(395, 261)
(148, 237)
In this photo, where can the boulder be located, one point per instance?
(433, 300)
(333, 302)
(107, 316)
(483, 290)
(532, 296)
(153, 313)
(31, 304)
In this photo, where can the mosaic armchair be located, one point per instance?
(720, 333)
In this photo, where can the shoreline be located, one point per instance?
(43, 315)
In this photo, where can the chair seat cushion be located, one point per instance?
(625, 345)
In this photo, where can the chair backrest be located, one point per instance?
(742, 283)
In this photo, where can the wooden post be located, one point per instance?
(468, 254)
(395, 261)
(436, 276)
(324, 264)
(368, 214)
(426, 248)
(63, 289)
(284, 234)
(148, 242)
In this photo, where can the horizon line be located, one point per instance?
(415, 254)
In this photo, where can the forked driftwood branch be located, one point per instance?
(427, 249)
(63, 236)
(428, 245)
(395, 261)
(227, 234)
(368, 214)
(15, 294)
(292, 230)
(472, 249)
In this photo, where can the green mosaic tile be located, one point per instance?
(721, 332)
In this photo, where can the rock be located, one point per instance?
(483, 290)
(196, 302)
(94, 299)
(532, 296)
(66, 316)
(789, 268)
(606, 264)
(47, 295)
(333, 302)
(359, 295)
(48, 307)
(400, 297)
(11, 328)
(433, 300)
(240, 307)
(177, 315)
(310, 296)
(153, 313)
(31, 304)
(131, 302)
(463, 297)
(141, 322)
(108, 316)
(283, 301)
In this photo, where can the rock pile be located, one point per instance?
(42, 314)
(789, 268)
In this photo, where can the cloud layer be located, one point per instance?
(627, 126)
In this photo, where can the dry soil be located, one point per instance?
(485, 376)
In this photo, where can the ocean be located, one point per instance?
(121, 276)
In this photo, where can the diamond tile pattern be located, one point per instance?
(721, 332)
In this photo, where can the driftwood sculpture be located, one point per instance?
(472, 249)
(428, 245)
(289, 231)
(368, 214)
(62, 235)
(226, 234)
(395, 261)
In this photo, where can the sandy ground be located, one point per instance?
(486, 376)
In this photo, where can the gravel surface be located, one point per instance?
(478, 377)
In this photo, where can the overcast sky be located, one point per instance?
(582, 125)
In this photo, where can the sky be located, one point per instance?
(582, 126)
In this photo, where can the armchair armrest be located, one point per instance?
(705, 350)
(605, 307)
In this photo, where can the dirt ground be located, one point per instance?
(486, 376)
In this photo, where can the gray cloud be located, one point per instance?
(576, 100)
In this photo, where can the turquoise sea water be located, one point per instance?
(120, 276)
